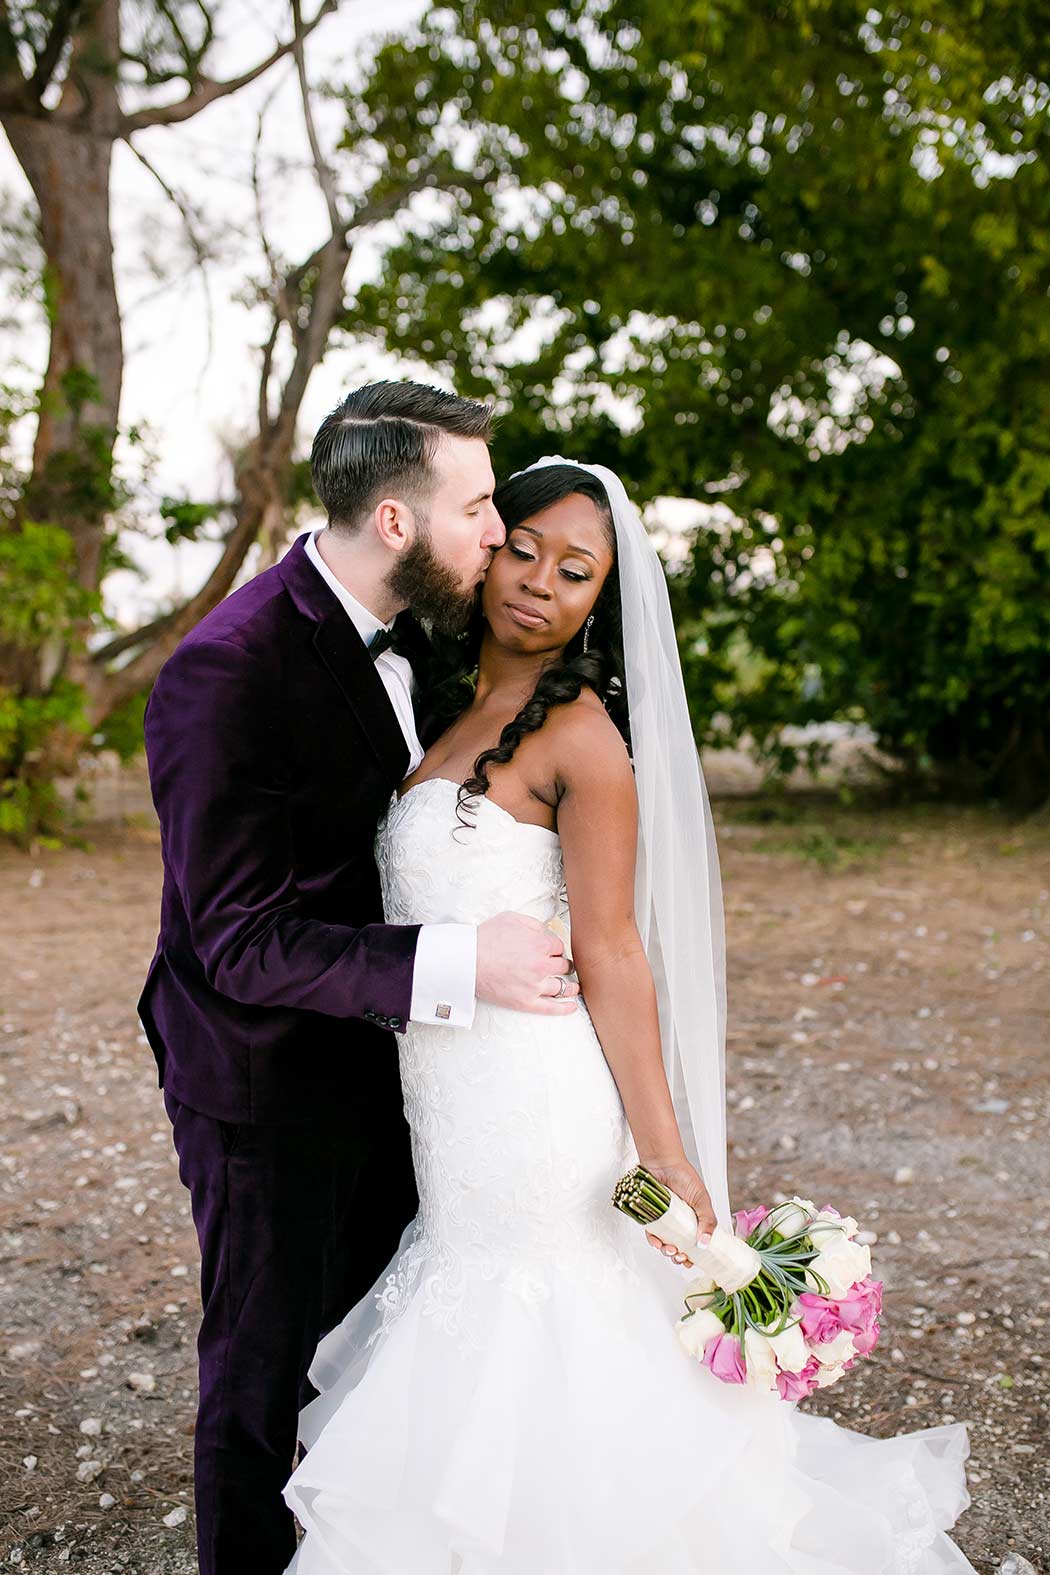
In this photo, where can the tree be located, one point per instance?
(787, 256)
(792, 256)
(76, 78)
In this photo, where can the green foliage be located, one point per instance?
(39, 602)
(46, 614)
(122, 729)
(79, 481)
(28, 801)
(791, 257)
(185, 520)
(39, 598)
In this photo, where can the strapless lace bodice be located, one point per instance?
(434, 869)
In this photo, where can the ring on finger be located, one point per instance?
(561, 987)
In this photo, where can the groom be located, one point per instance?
(275, 736)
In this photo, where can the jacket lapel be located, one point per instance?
(344, 653)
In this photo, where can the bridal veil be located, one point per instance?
(678, 888)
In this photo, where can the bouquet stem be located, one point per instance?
(643, 1198)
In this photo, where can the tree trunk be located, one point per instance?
(66, 155)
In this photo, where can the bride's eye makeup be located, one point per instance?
(577, 576)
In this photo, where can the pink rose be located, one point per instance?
(873, 1291)
(862, 1306)
(865, 1340)
(796, 1386)
(856, 1312)
(827, 1209)
(820, 1319)
(722, 1356)
(747, 1219)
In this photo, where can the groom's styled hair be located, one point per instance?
(382, 439)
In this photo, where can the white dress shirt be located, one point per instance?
(445, 969)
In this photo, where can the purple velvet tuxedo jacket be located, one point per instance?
(273, 751)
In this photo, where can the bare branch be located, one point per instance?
(265, 374)
(326, 300)
(209, 28)
(325, 179)
(295, 277)
(200, 250)
(205, 91)
(197, 243)
(188, 70)
(372, 210)
(191, 56)
(129, 641)
(57, 39)
(277, 286)
(268, 252)
(142, 669)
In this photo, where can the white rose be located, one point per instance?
(845, 1222)
(760, 1362)
(840, 1262)
(832, 1353)
(702, 1285)
(829, 1375)
(790, 1349)
(695, 1332)
(728, 1259)
(793, 1217)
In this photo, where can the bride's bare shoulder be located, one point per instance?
(584, 741)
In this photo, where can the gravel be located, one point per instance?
(887, 1054)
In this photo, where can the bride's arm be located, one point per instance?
(598, 826)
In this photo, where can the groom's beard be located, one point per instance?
(432, 590)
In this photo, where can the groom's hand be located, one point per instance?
(521, 964)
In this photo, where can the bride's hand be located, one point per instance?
(686, 1182)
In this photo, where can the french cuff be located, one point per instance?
(444, 975)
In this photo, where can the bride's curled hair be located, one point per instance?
(600, 666)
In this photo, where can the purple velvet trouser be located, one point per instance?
(288, 1245)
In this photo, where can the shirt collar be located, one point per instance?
(366, 623)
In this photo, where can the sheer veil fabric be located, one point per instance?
(678, 887)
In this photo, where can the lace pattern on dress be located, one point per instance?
(518, 1130)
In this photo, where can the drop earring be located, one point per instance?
(587, 633)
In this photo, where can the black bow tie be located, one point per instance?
(380, 641)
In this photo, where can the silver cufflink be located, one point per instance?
(443, 1010)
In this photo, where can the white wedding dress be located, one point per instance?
(511, 1398)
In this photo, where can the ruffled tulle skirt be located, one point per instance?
(534, 1429)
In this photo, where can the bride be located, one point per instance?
(511, 1397)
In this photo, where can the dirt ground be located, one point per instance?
(888, 1053)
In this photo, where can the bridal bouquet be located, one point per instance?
(786, 1302)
